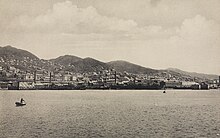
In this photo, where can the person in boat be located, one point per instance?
(22, 100)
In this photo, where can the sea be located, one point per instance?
(110, 113)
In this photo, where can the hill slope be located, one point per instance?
(21, 59)
(87, 65)
(122, 66)
(65, 60)
(9, 52)
(194, 74)
(24, 60)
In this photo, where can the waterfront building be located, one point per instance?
(188, 83)
(196, 86)
(173, 84)
(3, 85)
(26, 85)
(204, 86)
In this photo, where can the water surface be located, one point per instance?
(124, 113)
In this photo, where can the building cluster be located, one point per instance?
(13, 78)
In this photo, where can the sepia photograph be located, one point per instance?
(110, 68)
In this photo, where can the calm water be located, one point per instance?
(93, 113)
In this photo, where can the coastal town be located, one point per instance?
(13, 78)
(22, 70)
(110, 69)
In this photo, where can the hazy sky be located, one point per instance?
(159, 34)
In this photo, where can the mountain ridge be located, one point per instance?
(120, 65)
(25, 60)
(65, 59)
(194, 74)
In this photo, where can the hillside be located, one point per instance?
(194, 74)
(26, 61)
(65, 60)
(87, 65)
(122, 66)
(9, 52)
(22, 59)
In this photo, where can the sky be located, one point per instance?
(158, 34)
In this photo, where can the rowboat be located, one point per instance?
(20, 103)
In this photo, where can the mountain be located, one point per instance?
(194, 74)
(26, 61)
(76, 64)
(65, 60)
(122, 66)
(87, 65)
(22, 59)
(9, 52)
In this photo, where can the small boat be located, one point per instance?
(20, 103)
